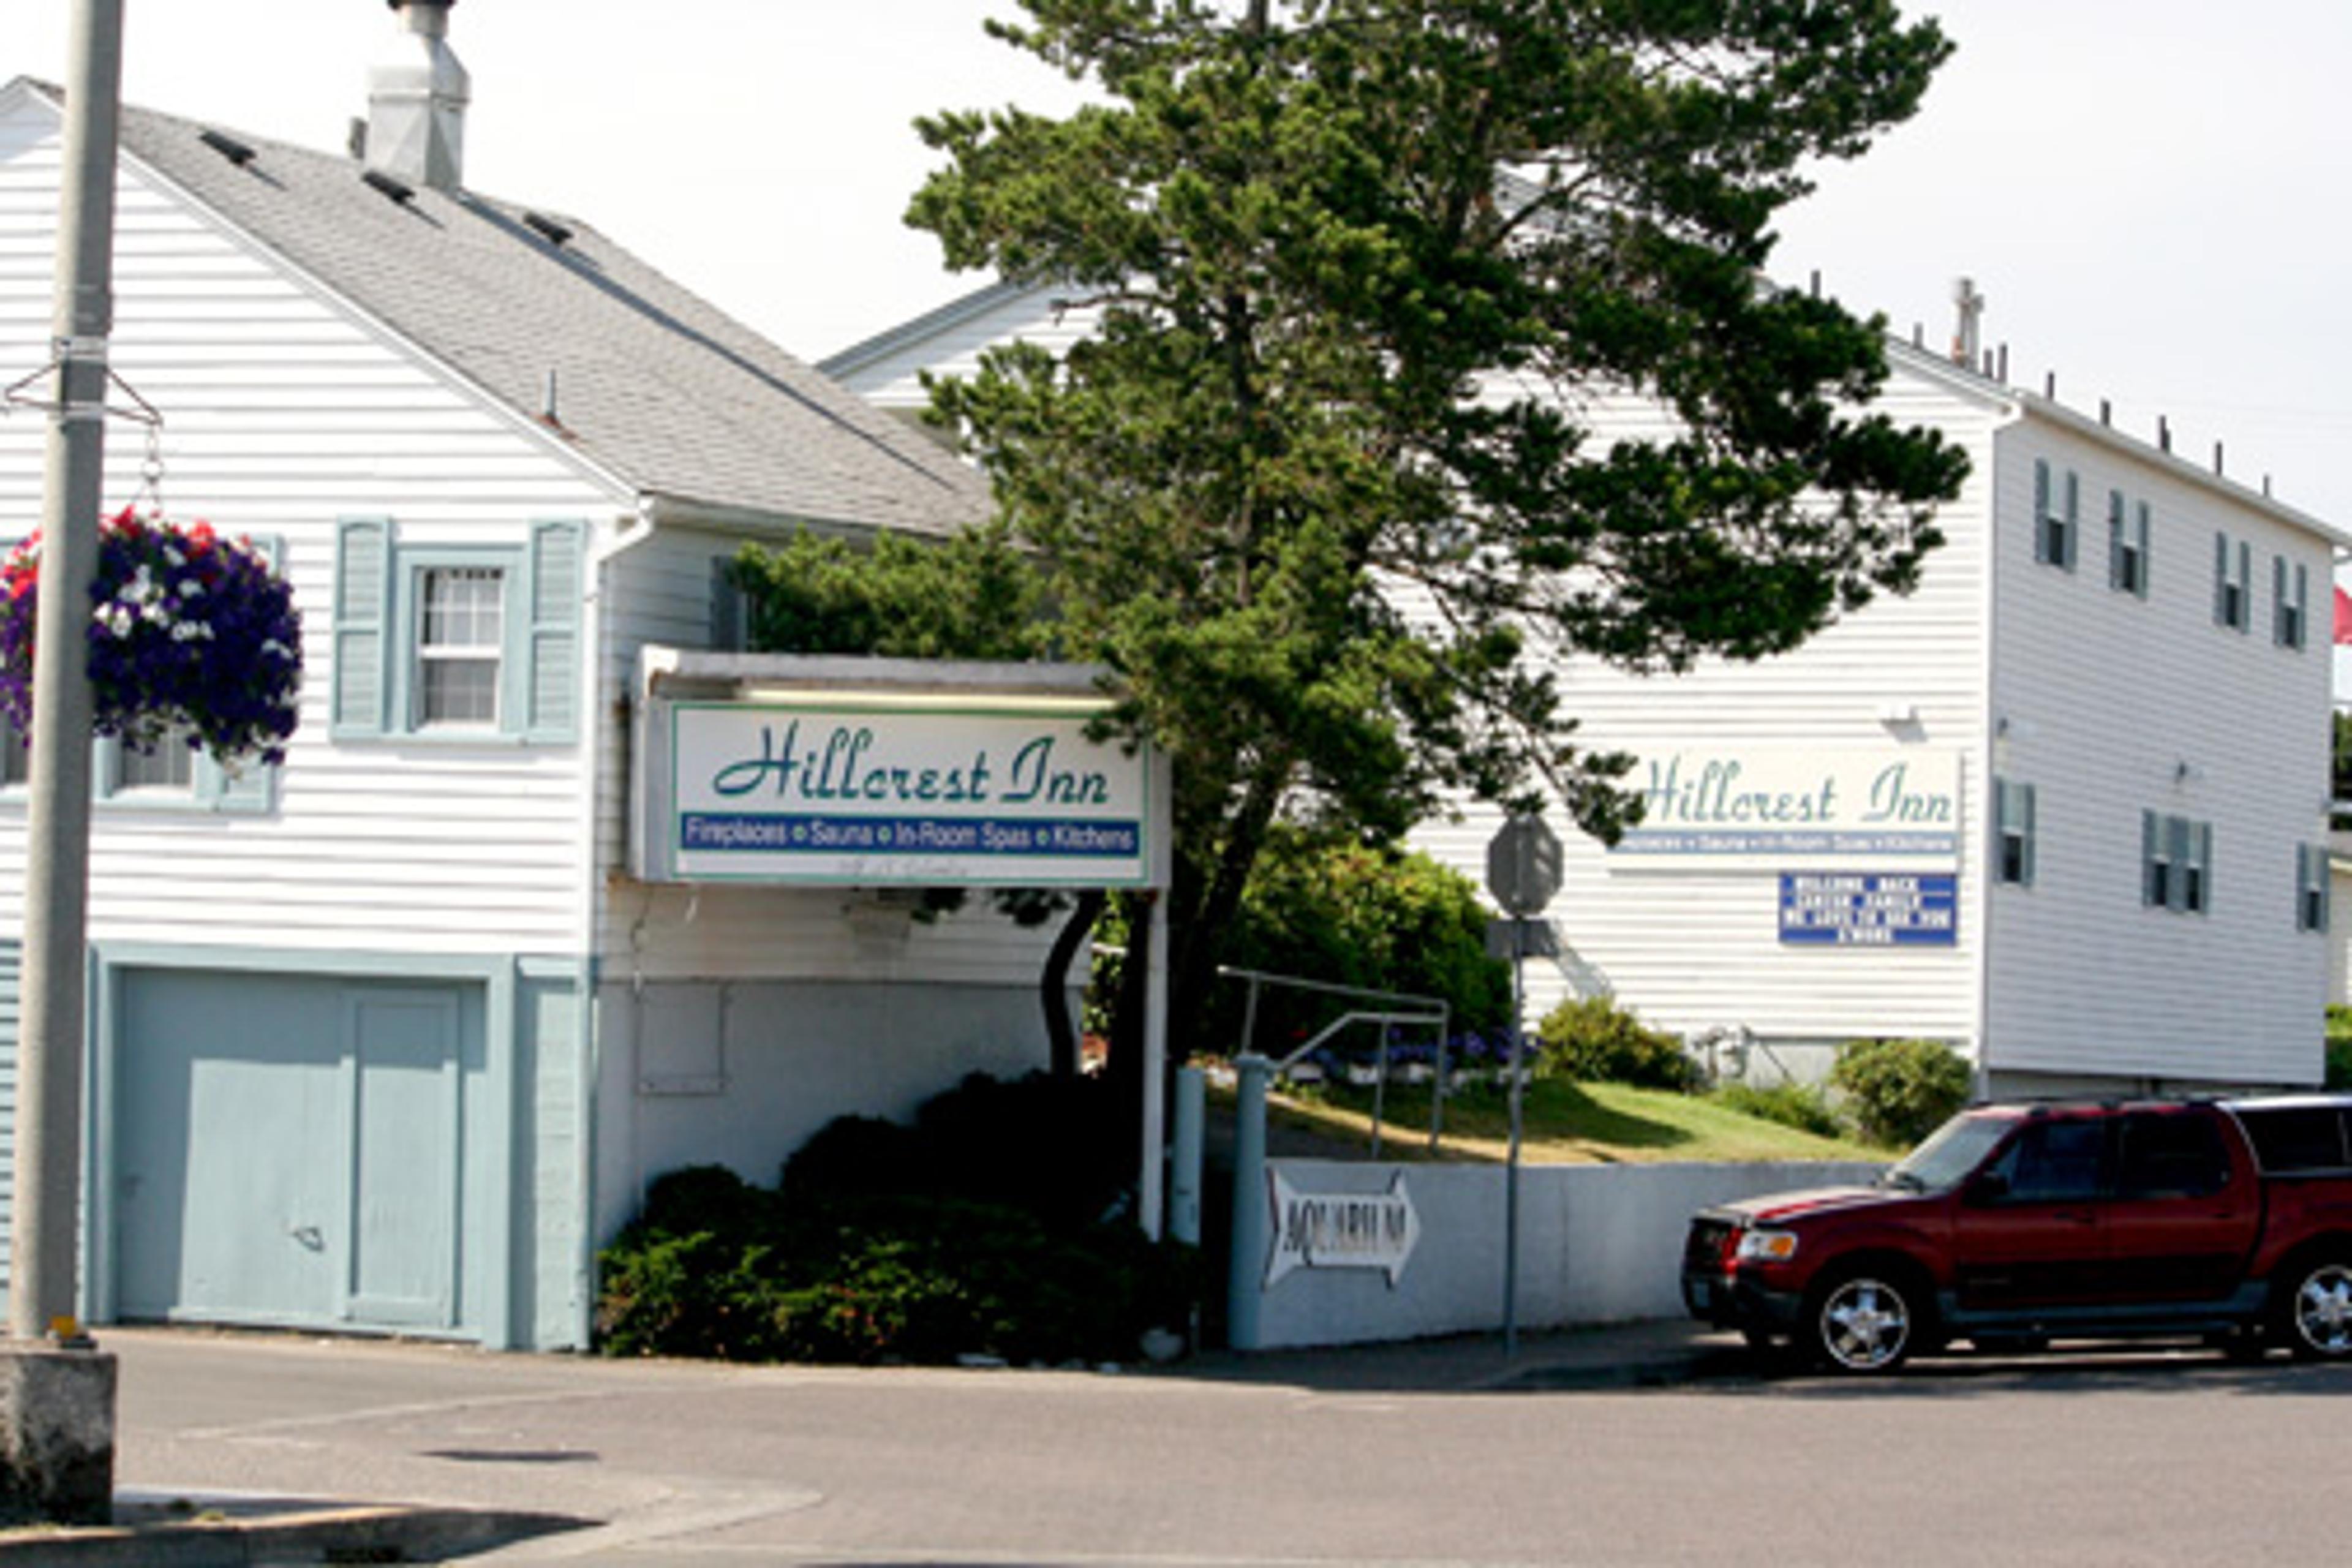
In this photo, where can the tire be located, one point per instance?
(2314, 1314)
(1865, 1320)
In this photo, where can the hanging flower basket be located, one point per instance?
(190, 634)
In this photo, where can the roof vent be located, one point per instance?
(546, 227)
(227, 146)
(417, 94)
(398, 190)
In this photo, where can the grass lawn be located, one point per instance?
(1561, 1123)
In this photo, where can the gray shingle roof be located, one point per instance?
(656, 387)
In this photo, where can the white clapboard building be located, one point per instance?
(391, 1037)
(2064, 806)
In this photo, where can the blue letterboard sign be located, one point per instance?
(1862, 909)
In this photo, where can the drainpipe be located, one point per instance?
(638, 530)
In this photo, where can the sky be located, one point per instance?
(2149, 194)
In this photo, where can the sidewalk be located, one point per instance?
(224, 1417)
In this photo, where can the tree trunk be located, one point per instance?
(1054, 985)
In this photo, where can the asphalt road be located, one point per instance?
(1309, 1463)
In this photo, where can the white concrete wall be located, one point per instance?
(740, 1073)
(1598, 1244)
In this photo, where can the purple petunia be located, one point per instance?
(189, 632)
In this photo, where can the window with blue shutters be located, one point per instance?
(457, 641)
(2311, 886)
(2176, 863)
(2056, 506)
(2127, 529)
(2290, 602)
(173, 776)
(2012, 812)
(2233, 583)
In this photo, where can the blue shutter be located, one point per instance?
(363, 629)
(2146, 557)
(2067, 540)
(2151, 850)
(2279, 632)
(553, 664)
(2117, 554)
(2041, 510)
(2245, 587)
(2026, 827)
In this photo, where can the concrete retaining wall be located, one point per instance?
(1598, 1244)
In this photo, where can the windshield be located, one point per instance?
(1950, 1152)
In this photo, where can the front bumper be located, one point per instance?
(1732, 1301)
(1730, 1298)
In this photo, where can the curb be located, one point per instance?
(333, 1534)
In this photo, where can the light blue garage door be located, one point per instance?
(290, 1150)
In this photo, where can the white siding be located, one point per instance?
(2108, 697)
(282, 413)
(893, 380)
(1691, 946)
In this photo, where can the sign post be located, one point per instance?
(1525, 866)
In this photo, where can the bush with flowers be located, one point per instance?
(190, 634)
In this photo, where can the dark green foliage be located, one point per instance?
(1295, 219)
(1347, 914)
(1593, 1040)
(971, 596)
(1898, 1091)
(1798, 1105)
(982, 1230)
(2339, 1046)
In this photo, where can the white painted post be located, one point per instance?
(1184, 1162)
(1155, 1069)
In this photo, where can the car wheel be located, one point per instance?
(2316, 1320)
(1864, 1321)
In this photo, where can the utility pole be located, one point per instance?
(57, 1394)
(57, 849)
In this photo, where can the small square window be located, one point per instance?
(169, 767)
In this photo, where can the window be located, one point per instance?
(2126, 545)
(170, 767)
(2012, 826)
(2054, 511)
(457, 641)
(2290, 602)
(174, 777)
(2177, 857)
(461, 631)
(2233, 583)
(2056, 1161)
(2311, 886)
(2171, 1154)
(2296, 1138)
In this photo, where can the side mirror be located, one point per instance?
(1991, 1187)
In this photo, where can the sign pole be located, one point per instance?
(1511, 1171)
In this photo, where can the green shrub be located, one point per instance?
(1799, 1105)
(1344, 914)
(2339, 1044)
(976, 1231)
(1898, 1091)
(1593, 1040)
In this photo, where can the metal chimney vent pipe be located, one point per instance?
(417, 94)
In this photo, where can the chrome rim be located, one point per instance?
(2323, 1309)
(1864, 1325)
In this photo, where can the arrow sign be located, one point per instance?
(1340, 1230)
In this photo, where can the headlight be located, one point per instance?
(1767, 1246)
